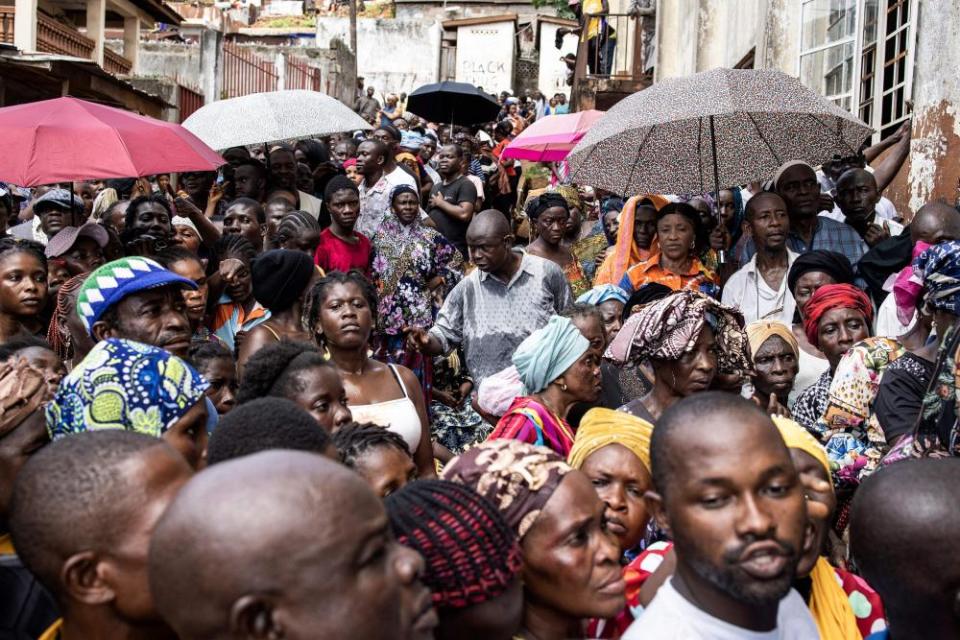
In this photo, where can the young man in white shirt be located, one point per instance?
(732, 501)
(759, 289)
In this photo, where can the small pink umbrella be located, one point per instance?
(551, 138)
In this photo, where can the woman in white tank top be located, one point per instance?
(340, 313)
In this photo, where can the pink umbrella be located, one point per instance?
(67, 140)
(551, 138)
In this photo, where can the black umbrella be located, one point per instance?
(452, 103)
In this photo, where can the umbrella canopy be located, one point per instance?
(274, 116)
(720, 127)
(453, 103)
(67, 140)
(551, 139)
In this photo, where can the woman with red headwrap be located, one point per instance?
(834, 319)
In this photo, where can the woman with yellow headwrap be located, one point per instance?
(612, 448)
(775, 355)
(842, 604)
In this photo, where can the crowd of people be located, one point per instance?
(392, 384)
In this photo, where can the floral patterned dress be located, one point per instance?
(406, 259)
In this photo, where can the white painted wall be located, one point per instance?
(485, 56)
(553, 72)
(393, 56)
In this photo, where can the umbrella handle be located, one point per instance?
(722, 254)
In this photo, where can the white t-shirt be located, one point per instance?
(747, 291)
(672, 617)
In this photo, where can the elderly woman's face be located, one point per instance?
(776, 366)
(611, 312)
(582, 379)
(406, 206)
(694, 371)
(620, 480)
(571, 561)
(838, 330)
(807, 285)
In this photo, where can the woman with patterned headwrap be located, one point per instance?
(547, 503)
(549, 216)
(558, 369)
(835, 318)
(128, 385)
(686, 337)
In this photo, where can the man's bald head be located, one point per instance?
(278, 534)
(762, 198)
(904, 526)
(935, 222)
(488, 224)
(852, 176)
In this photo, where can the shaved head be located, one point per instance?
(244, 545)
(852, 175)
(904, 526)
(935, 222)
(488, 223)
(764, 196)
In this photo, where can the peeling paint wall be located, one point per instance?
(933, 169)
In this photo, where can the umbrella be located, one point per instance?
(452, 103)
(551, 139)
(720, 127)
(273, 116)
(66, 140)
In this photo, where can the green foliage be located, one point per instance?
(562, 7)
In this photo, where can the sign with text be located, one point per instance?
(485, 55)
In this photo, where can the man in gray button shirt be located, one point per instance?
(490, 312)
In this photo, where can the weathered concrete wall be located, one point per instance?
(932, 171)
(553, 72)
(170, 60)
(393, 55)
(485, 54)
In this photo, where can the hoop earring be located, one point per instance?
(563, 386)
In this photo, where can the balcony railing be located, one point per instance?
(56, 37)
(616, 49)
(116, 64)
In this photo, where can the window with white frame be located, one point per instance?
(859, 53)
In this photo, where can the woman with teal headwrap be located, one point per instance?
(558, 369)
(610, 300)
(123, 384)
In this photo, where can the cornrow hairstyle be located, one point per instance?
(318, 293)
(234, 246)
(174, 254)
(57, 334)
(14, 345)
(471, 554)
(274, 370)
(355, 440)
(265, 423)
(203, 352)
(250, 203)
(294, 224)
(136, 202)
(15, 245)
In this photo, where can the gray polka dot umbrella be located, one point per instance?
(721, 127)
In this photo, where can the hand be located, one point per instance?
(774, 407)
(141, 188)
(905, 131)
(185, 207)
(445, 398)
(229, 269)
(238, 339)
(436, 200)
(816, 510)
(216, 193)
(826, 202)
(876, 233)
(417, 338)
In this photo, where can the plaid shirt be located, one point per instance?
(829, 235)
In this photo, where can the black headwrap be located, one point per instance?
(403, 188)
(832, 263)
(546, 201)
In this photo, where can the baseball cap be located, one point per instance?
(114, 281)
(68, 236)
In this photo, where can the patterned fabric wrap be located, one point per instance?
(123, 384)
(668, 328)
(848, 428)
(908, 287)
(828, 298)
(938, 432)
(517, 477)
(23, 390)
(530, 421)
(600, 427)
(116, 280)
(939, 266)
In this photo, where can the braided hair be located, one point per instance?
(293, 224)
(234, 246)
(16, 245)
(355, 440)
(57, 333)
(470, 552)
(273, 370)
